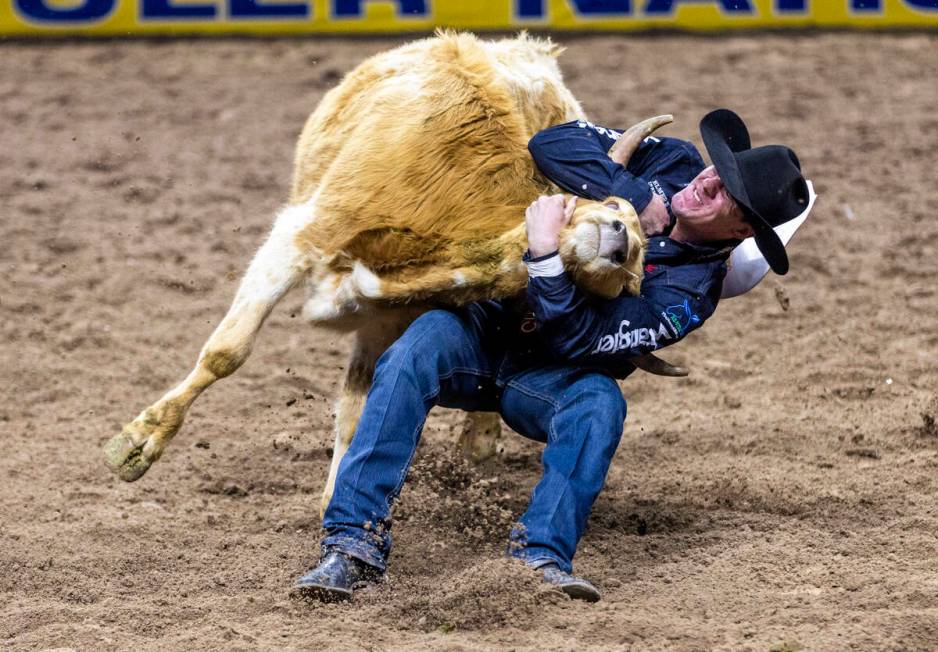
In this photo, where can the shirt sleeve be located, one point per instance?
(575, 156)
(608, 333)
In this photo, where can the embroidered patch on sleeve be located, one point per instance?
(681, 317)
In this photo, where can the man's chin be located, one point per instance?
(681, 216)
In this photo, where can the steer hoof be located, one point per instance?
(142, 441)
(126, 458)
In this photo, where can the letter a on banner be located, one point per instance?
(353, 8)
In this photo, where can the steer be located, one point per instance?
(410, 184)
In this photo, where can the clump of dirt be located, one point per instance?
(929, 427)
(444, 490)
(493, 593)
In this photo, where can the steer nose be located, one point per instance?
(620, 255)
(613, 242)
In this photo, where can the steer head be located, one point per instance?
(603, 246)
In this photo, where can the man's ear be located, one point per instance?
(743, 231)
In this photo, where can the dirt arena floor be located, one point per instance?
(782, 497)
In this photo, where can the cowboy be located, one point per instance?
(548, 362)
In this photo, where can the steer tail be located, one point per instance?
(276, 268)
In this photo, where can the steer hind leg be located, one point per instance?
(277, 267)
(480, 435)
(371, 340)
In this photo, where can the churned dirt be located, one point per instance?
(782, 497)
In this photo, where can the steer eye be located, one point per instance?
(614, 205)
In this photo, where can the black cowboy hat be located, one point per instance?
(765, 181)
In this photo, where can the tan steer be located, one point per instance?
(410, 184)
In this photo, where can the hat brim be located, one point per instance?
(769, 244)
(724, 134)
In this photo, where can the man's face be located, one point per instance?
(706, 208)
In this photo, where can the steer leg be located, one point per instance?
(479, 437)
(447, 283)
(371, 340)
(277, 267)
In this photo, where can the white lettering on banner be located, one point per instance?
(627, 338)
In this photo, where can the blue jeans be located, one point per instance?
(443, 359)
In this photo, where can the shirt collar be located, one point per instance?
(662, 248)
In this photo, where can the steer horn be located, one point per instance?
(621, 152)
(628, 142)
(655, 365)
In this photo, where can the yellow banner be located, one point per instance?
(176, 17)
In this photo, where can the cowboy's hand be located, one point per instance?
(654, 219)
(544, 219)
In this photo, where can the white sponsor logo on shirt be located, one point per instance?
(657, 189)
(610, 133)
(627, 338)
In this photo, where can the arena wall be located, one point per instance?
(178, 17)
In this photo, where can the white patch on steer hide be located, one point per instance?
(364, 282)
(329, 299)
(586, 241)
(278, 263)
(319, 308)
(459, 279)
(509, 266)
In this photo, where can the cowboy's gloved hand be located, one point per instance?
(544, 219)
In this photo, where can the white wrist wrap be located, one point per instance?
(552, 266)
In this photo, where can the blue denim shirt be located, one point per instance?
(575, 157)
(682, 282)
(680, 290)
